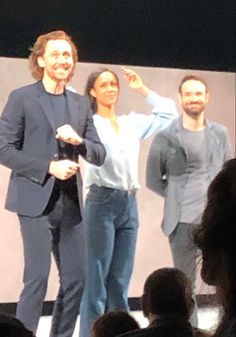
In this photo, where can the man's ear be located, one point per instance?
(92, 93)
(41, 62)
(207, 97)
(180, 98)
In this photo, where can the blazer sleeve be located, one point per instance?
(92, 150)
(12, 131)
(156, 169)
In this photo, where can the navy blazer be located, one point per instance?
(28, 145)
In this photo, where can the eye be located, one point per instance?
(55, 55)
(198, 93)
(67, 55)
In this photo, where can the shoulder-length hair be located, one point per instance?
(39, 47)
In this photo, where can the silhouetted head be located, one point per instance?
(113, 324)
(12, 327)
(167, 291)
(216, 236)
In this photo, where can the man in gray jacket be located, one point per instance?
(183, 160)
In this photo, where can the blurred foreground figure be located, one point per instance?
(216, 237)
(167, 303)
(113, 323)
(12, 327)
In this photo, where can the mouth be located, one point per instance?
(112, 95)
(194, 105)
(65, 68)
(61, 69)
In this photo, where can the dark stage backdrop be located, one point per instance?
(152, 248)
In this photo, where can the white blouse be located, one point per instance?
(120, 169)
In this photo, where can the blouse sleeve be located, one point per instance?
(163, 113)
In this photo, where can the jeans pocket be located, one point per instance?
(100, 194)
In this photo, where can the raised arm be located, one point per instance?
(135, 82)
(162, 114)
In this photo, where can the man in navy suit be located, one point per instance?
(44, 128)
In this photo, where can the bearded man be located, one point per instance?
(183, 160)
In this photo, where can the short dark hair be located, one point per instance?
(90, 84)
(114, 323)
(168, 291)
(10, 326)
(192, 77)
(38, 49)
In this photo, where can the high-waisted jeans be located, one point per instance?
(111, 218)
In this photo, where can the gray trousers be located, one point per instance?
(41, 236)
(184, 254)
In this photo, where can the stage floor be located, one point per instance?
(208, 318)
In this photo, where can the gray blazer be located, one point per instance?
(28, 145)
(167, 161)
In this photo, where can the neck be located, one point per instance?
(106, 111)
(52, 86)
(194, 123)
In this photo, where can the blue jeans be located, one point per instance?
(111, 218)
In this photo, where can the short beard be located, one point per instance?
(193, 113)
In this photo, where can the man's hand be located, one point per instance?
(135, 82)
(63, 169)
(68, 135)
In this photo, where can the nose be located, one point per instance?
(194, 98)
(110, 87)
(62, 59)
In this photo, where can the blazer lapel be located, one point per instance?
(211, 141)
(47, 109)
(73, 111)
(178, 129)
(46, 104)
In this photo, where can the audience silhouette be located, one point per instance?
(216, 238)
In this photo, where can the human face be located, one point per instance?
(193, 97)
(57, 60)
(105, 89)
